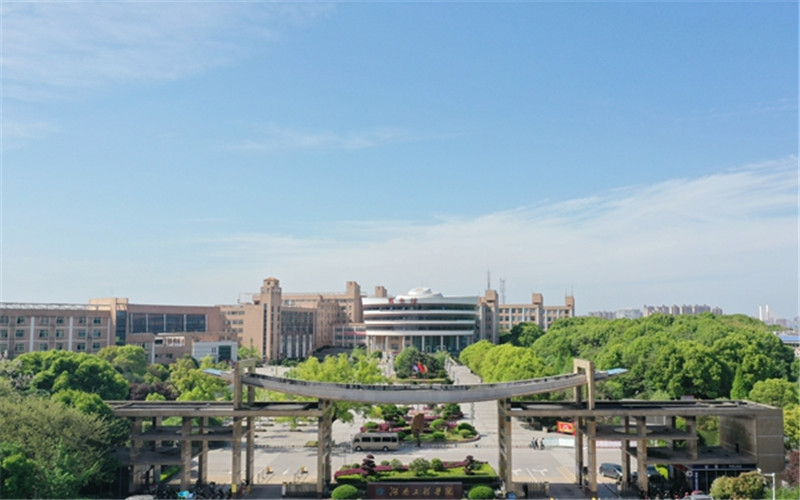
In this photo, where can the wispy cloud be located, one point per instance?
(52, 46)
(17, 134)
(273, 137)
(729, 238)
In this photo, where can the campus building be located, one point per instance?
(28, 327)
(420, 318)
(276, 324)
(280, 326)
(535, 312)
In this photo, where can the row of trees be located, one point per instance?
(56, 430)
(667, 357)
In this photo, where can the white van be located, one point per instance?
(376, 441)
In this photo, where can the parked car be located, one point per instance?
(614, 471)
(652, 473)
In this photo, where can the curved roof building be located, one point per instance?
(421, 318)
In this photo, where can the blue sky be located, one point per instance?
(181, 152)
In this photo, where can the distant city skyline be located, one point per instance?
(180, 153)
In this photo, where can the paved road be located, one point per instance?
(282, 450)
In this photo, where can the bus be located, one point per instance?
(375, 441)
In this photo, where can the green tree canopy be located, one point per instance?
(775, 392)
(53, 371)
(128, 360)
(358, 368)
(52, 449)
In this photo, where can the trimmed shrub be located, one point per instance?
(465, 425)
(466, 433)
(437, 465)
(370, 425)
(345, 491)
(419, 466)
(438, 436)
(481, 491)
(438, 424)
(385, 462)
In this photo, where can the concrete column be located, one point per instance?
(251, 433)
(186, 453)
(504, 443)
(591, 428)
(625, 458)
(324, 446)
(691, 444)
(137, 470)
(202, 460)
(641, 452)
(579, 423)
(236, 454)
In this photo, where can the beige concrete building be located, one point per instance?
(45, 327)
(535, 312)
(280, 326)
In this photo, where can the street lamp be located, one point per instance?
(772, 475)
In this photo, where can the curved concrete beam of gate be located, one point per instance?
(416, 394)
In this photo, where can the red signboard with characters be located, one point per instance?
(565, 427)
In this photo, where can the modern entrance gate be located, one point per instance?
(751, 427)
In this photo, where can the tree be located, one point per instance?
(342, 369)
(419, 466)
(188, 378)
(524, 334)
(791, 426)
(129, 360)
(775, 392)
(53, 371)
(62, 448)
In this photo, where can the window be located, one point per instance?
(59, 346)
(95, 346)
(82, 333)
(3, 334)
(97, 334)
(43, 346)
(3, 349)
(81, 320)
(43, 334)
(59, 334)
(19, 334)
(60, 320)
(19, 348)
(44, 320)
(3, 320)
(80, 347)
(20, 320)
(97, 321)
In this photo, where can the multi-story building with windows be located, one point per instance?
(282, 326)
(277, 325)
(535, 312)
(44, 327)
(421, 318)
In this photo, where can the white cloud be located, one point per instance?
(728, 239)
(50, 46)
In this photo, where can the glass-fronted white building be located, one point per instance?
(421, 318)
